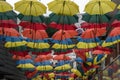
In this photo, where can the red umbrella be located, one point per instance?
(61, 26)
(32, 34)
(62, 57)
(116, 23)
(64, 34)
(81, 53)
(93, 25)
(8, 24)
(35, 26)
(93, 33)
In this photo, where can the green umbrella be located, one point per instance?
(96, 18)
(117, 15)
(8, 15)
(39, 19)
(63, 19)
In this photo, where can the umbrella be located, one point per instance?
(63, 68)
(65, 7)
(76, 72)
(100, 6)
(117, 15)
(46, 68)
(24, 61)
(26, 67)
(81, 53)
(15, 44)
(95, 18)
(8, 23)
(113, 37)
(78, 59)
(62, 26)
(87, 43)
(9, 32)
(63, 19)
(8, 15)
(89, 61)
(93, 25)
(4, 6)
(43, 58)
(31, 25)
(30, 7)
(99, 58)
(101, 52)
(116, 23)
(93, 33)
(64, 34)
(43, 63)
(62, 57)
(35, 35)
(62, 62)
(30, 18)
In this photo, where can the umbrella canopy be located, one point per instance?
(117, 15)
(35, 35)
(15, 44)
(95, 18)
(30, 18)
(116, 23)
(31, 25)
(99, 58)
(30, 7)
(62, 62)
(62, 26)
(100, 6)
(4, 6)
(76, 72)
(62, 57)
(63, 19)
(64, 34)
(93, 25)
(9, 32)
(87, 43)
(46, 68)
(65, 7)
(101, 52)
(8, 15)
(63, 68)
(8, 23)
(93, 33)
(43, 58)
(113, 37)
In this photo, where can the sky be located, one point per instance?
(81, 3)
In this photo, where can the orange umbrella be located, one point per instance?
(43, 58)
(115, 32)
(32, 34)
(62, 57)
(64, 34)
(9, 32)
(100, 52)
(93, 33)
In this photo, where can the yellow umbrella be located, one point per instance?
(66, 7)
(4, 6)
(118, 7)
(99, 7)
(30, 7)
